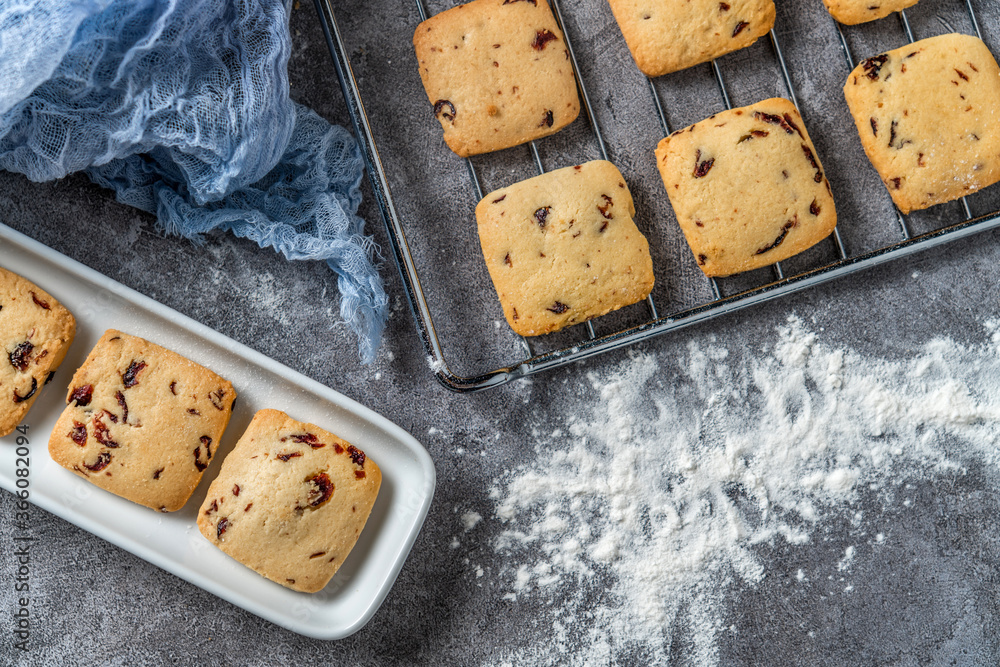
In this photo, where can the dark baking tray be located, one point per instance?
(802, 60)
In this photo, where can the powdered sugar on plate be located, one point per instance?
(666, 475)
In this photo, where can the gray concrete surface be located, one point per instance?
(931, 600)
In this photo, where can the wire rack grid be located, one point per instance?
(654, 324)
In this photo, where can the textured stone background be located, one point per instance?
(931, 599)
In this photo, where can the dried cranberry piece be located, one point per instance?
(247, 508)
(754, 134)
(874, 126)
(193, 411)
(897, 183)
(39, 302)
(308, 439)
(541, 215)
(101, 431)
(48, 378)
(892, 132)
(814, 207)
(81, 395)
(357, 456)
(317, 554)
(558, 308)
(120, 397)
(791, 123)
(506, 260)
(723, 6)
(775, 119)
(216, 398)
(103, 459)
(78, 434)
(322, 491)
(740, 27)
(173, 388)
(31, 392)
(812, 161)
(963, 75)
(542, 37)
(701, 168)
(447, 115)
(606, 209)
(547, 119)
(131, 375)
(499, 199)
(509, 2)
(236, 489)
(214, 507)
(359, 474)
(198, 463)
(340, 450)
(873, 66)
(702, 259)
(221, 527)
(781, 237)
(21, 356)
(288, 455)
(156, 474)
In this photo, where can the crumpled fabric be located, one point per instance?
(182, 108)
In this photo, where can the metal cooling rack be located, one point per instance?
(656, 324)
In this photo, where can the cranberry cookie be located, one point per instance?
(36, 331)
(141, 422)
(852, 12)
(497, 74)
(929, 118)
(670, 35)
(747, 187)
(290, 501)
(562, 247)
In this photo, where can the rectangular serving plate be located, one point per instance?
(172, 541)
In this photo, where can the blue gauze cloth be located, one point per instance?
(182, 108)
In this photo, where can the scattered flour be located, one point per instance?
(470, 519)
(663, 480)
(845, 562)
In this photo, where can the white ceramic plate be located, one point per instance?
(172, 541)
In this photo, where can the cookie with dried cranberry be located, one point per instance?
(747, 187)
(36, 331)
(563, 248)
(497, 74)
(290, 501)
(141, 421)
(929, 118)
(670, 35)
(852, 12)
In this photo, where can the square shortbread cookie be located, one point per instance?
(562, 247)
(36, 331)
(929, 118)
(497, 74)
(747, 187)
(670, 35)
(142, 421)
(852, 12)
(290, 501)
